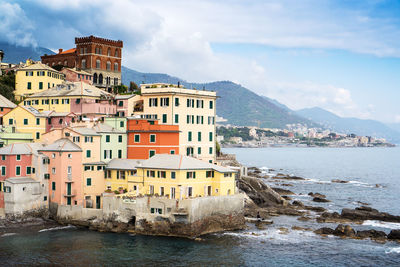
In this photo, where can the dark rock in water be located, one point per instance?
(287, 177)
(282, 191)
(286, 185)
(344, 230)
(369, 209)
(324, 231)
(318, 199)
(311, 194)
(339, 181)
(304, 218)
(316, 209)
(329, 217)
(394, 235)
(367, 213)
(259, 192)
(297, 203)
(287, 197)
(373, 234)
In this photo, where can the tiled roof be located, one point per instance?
(21, 180)
(21, 149)
(5, 103)
(121, 97)
(180, 162)
(84, 131)
(36, 112)
(62, 144)
(72, 50)
(105, 128)
(78, 71)
(61, 114)
(72, 89)
(123, 164)
(37, 66)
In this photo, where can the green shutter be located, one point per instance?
(137, 138)
(18, 170)
(164, 118)
(53, 186)
(199, 136)
(89, 181)
(190, 136)
(88, 152)
(176, 118)
(211, 136)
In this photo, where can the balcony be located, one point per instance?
(70, 193)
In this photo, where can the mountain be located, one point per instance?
(237, 104)
(350, 125)
(394, 126)
(15, 54)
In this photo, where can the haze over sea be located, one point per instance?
(363, 167)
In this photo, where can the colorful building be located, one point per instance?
(173, 176)
(5, 107)
(23, 171)
(81, 98)
(9, 135)
(34, 78)
(192, 110)
(65, 172)
(113, 142)
(76, 75)
(126, 104)
(26, 119)
(97, 56)
(146, 137)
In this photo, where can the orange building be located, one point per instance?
(146, 138)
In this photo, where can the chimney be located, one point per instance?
(60, 50)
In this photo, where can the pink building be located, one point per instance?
(89, 107)
(74, 75)
(65, 169)
(60, 120)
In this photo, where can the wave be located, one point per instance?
(388, 225)
(57, 228)
(8, 234)
(393, 250)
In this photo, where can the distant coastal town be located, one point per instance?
(295, 135)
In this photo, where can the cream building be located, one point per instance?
(193, 110)
(34, 78)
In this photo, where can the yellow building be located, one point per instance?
(193, 110)
(26, 119)
(35, 77)
(173, 176)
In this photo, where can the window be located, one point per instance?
(151, 174)
(151, 189)
(107, 154)
(45, 198)
(40, 85)
(37, 121)
(190, 175)
(172, 152)
(209, 174)
(189, 136)
(53, 170)
(28, 170)
(37, 135)
(119, 153)
(210, 136)
(211, 104)
(199, 136)
(121, 124)
(137, 138)
(116, 53)
(18, 157)
(69, 170)
(108, 174)
(25, 121)
(88, 139)
(10, 121)
(115, 66)
(161, 190)
(152, 138)
(173, 175)
(227, 174)
(153, 102)
(88, 153)
(3, 170)
(199, 151)
(53, 186)
(107, 139)
(88, 181)
(53, 155)
(29, 86)
(176, 118)
(18, 170)
(190, 191)
(83, 64)
(108, 65)
(97, 64)
(164, 118)
(164, 102)
(210, 150)
(70, 156)
(3, 157)
(76, 139)
(151, 153)
(176, 102)
(119, 138)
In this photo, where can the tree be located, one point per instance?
(218, 148)
(7, 85)
(133, 86)
(120, 89)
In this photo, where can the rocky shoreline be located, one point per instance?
(267, 202)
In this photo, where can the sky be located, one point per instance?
(343, 56)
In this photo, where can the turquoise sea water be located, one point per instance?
(365, 167)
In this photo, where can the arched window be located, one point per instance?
(108, 65)
(115, 66)
(100, 51)
(109, 52)
(98, 64)
(115, 81)
(85, 50)
(96, 50)
(116, 52)
(83, 65)
(101, 78)
(65, 63)
(59, 63)
(108, 79)
(95, 78)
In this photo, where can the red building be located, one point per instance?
(75, 75)
(97, 56)
(147, 138)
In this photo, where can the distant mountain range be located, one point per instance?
(239, 105)
(350, 125)
(16, 54)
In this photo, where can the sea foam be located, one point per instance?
(393, 250)
(57, 228)
(388, 225)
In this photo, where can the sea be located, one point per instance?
(374, 180)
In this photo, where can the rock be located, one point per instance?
(316, 195)
(298, 228)
(283, 230)
(318, 199)
(198, 239)
(287, 197)
(339, 181)
(260, 193)
(344, 230)
(367, 213)
(373, 234)
(394, 235)
(297, 203)
(304, 218)
(282, 191)
(324, 231)
(286, 177)
(286, 185)
(316, 209)
(260, 226)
